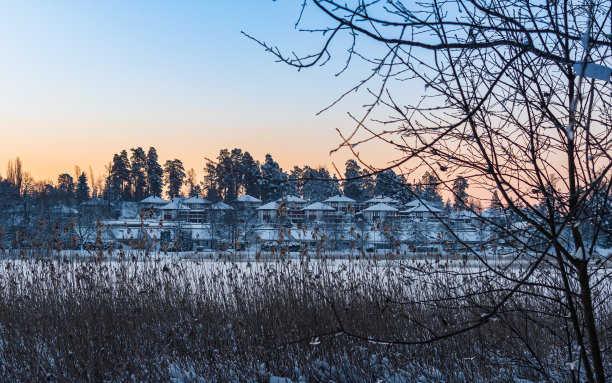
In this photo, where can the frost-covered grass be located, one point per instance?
(169, 319)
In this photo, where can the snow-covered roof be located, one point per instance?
(522, 225)
(464, 214)
(340, 198)
(128, 210)
(154, 199)
(416, 203)
(381, 199)
(248, 198)
(63, 209)
(269, 206)
(305, 234)
(221, 206)
(176, 205)
(196, 201)
(291, 198)
(489, 213)
(422, 209)
(318, 206)
(380, 207)
(125, 233)
(268, 235)
(94, 202)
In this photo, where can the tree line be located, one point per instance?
(137, 174)
(235, 172)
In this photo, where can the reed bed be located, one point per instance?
(312, 320)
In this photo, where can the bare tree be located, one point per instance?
(517, 94)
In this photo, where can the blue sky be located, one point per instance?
(83, 80)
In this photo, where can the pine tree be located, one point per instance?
(496, 203)
(138, 173)
(274, 180)
(174, 177)
(406, 192)
(195, 190)
(460, 196)
(252, 175)
(334, 187)
(295, 182)
(65, 186)
(388, 183)
(155, 174)
(210, 183)
(82, 189)
(237, 175)
(367, 184)
(352, 186)
(430, 184)
(225, 175)
(120, 176)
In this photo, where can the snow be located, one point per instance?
(277, 379)
(63, 209)
(221, 206)
(380, 199)
(422, 209)
(267, 235)
(380, 207)
(154, 200)
(125, 233)
(203, 234)
(95, 202)
(248, 198)
(291, 198)
(176, 205)
(416, 203)
(318, 206)
(340, 198)
(196, 201)
(269, 206)
(592, 70)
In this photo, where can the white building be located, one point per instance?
(380, 211)
(317, 211)
(382, 199)
(174, 211)
(341, 203)
(267, 212)
(248, 202)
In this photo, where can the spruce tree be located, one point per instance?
(460, 196)
(82, 189)
(195, 190)
(252, 175)
(211, 189)
(274, 180)
(155, 174)
(496, 203)
(352, 185)
(138, 173)
(174, 177)
(120, 176)
(65, 186)
(389, 184)
(430, 184)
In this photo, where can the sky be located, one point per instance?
(80, 81)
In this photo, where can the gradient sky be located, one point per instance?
(81, 80)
